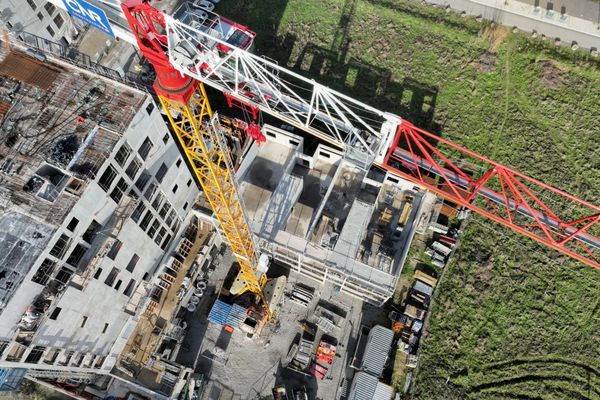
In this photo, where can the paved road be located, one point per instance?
(569, 20)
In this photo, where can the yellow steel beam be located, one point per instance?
(205, 148)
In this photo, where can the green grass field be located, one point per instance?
(512, 319)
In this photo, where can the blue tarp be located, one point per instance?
(219, 312)
(237, 315)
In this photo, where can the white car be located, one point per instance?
(205, 4)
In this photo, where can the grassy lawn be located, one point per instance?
(512, 319)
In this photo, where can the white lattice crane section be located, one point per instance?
(198, 47)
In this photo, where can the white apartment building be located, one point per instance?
(93, 191)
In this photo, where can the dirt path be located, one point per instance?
(499, 141)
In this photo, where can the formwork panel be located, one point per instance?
(29, 70)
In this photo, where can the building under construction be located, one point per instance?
(107, 249)
(114, 281)
(97, 227)
(95, 201)
(323, 217)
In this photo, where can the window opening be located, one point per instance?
(114, 249)
(112, 276)
(72, 224)
(119, 190)
(129, 289)
(60, 247)
(42, 275)
(133, 168)
(55, 313)
(76, 255)
(145, 148)
(132, 263)
(107, 178)
(162, 171)
(91, 231)
(123, 154)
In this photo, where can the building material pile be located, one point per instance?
(302, 295)
(325, 352)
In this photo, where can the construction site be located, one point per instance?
(327, 219)
(336, 236)
(220, 227)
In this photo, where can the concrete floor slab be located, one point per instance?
(256, 200)
(268, 167)
(280, 206)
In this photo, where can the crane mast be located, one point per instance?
(196, 47)
(187, 107)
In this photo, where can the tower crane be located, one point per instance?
(201, 45)
(198, 48)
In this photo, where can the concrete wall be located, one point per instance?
(309, 259)
(31, 16)
(579, 23)
(99, 302)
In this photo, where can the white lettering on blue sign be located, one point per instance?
(89, 13)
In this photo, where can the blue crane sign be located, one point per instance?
(89, 13)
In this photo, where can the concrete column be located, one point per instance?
(45, 353)
(299, 264)
(85, 363)
(74, 358)
(7, 350)
(26, 353)
(59, 356)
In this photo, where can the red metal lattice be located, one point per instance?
(526, 205)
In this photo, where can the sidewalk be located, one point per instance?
(571, 21)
